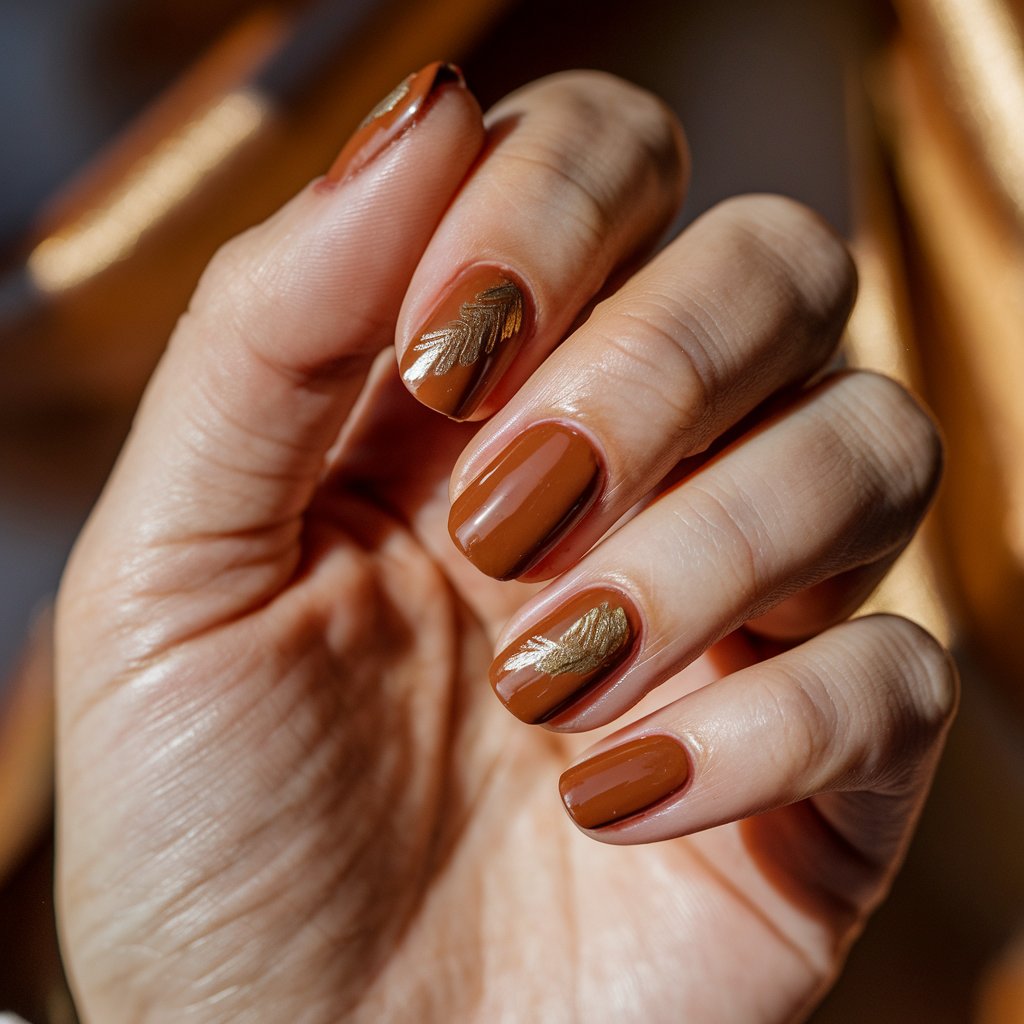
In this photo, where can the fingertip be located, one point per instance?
(581, 174)
(399, 111)
(625, 780)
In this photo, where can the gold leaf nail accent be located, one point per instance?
(389, 102)
(493, 316)
(587, 644)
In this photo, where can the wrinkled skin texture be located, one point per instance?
(319, 811)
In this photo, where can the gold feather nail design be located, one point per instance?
(587, 644)
(493, 316)
(389, 102)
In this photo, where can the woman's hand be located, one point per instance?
(287, 791)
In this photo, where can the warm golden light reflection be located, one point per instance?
(879, 338)
(876, 333)
(109, 232)
(911, 589)
(875, 341)
(977, 267)
(984, 65)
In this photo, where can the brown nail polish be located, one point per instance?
(467, 343)
(623, 781)
(565, 654)
(526, 500)
(392, 116)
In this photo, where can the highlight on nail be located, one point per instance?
(461, 352)
(527, 500)
(584, 646)
(392, 117)
(565, 655)
(630, 779)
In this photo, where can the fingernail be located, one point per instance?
(526, 500)
(467, 343)
(564, 655)
(623, 781)
(392, 116)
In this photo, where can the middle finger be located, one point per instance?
(750, 299)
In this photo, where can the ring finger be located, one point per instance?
(836, 481)
(860, 709)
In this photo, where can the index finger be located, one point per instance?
(582, 174)
(265, 365)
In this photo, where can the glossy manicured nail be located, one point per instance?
(526, 500)
(392, 116)
(467, 343)
(623, 781)
(564, 655)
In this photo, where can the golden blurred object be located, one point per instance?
(262, 113)
(165, 178)
(965, 260)
(975, 49)
(26, 747)
(940, 249)
(1002, 992)
(880, 337)
(154, 165)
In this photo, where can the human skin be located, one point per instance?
(286, 789)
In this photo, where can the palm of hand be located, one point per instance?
(382, 839)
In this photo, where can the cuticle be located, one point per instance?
(460, 274)
(669, 799)
(577, 428)
(593, 500)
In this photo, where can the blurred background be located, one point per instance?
(140, 134)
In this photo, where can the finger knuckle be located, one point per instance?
(595, 146)
(807, 715)
(251, 286)
(557, 179)
(807, 261)
(894, 443)
(604, 102)
(909, 695)
(233, 288)
(666, 349)
(230, 264)
(928, 674)
(869, 703)
(721, 519)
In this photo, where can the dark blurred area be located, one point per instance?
(143, 133)
(74, 72)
